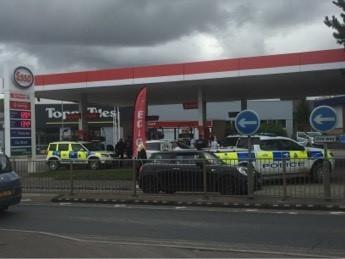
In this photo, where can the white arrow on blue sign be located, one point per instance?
(247, 122)
(323, 118)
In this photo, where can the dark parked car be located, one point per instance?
(10, 184)
(183, 170)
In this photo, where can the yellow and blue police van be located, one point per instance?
(270, 155)
(67, 152)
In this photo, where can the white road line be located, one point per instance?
(26, 200)
(171, 244)
(337, 213)
(120, 206)
(65, 203)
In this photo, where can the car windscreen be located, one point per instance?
(212, 159)
(243, 142)
(179, 144)
(94, 146)
(230, 141)
(5, 165)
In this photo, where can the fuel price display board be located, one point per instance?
(20, 127)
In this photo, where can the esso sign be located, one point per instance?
(23, 77)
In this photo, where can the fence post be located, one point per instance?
(204, 173)
(250, 170)
(134, 169)
(71, 179)
(284, 179)
(326, 175)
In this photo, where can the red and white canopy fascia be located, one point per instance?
(227, 68)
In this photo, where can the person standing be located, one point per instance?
(120, 148)
(141, 157)
(129, 147)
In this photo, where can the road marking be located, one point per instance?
(26, 200)
(251, 210)
(65, 203)
(120, 205)
(180, 207)
(170, 244)
(337, 213)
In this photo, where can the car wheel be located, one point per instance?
(94, 164)
(53, 165)
(226, 185)
(317, 172)
(150, 185)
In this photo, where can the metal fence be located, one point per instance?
(281, 179)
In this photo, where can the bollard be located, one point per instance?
(204, 173)
(134, 178)
(326, 176)
(284, 179)
(71, 179)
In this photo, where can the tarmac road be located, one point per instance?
(86, 230)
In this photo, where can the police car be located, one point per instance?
(269, 152)
(66, 152)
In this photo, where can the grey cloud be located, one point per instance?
(106, 22)
(65, 35)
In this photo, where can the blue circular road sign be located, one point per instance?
(247, 122)
(323, 118)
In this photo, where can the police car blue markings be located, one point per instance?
(315, 154)
(279, 155)
(244, 156)
(73, 154)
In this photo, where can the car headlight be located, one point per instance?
(8, 177)
(243, 170)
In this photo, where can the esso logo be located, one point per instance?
(23, 77)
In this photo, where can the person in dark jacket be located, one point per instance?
(129, 147)
(120, 148)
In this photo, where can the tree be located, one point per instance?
(337, 25)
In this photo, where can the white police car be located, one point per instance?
(269, 152)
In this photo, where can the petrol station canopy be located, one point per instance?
(284, 76)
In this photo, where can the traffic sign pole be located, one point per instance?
(247, 122)
(324, 119)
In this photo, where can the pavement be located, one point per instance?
(188, 200)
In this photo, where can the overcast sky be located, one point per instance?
(71, 35)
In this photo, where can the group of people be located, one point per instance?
(124, 147)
